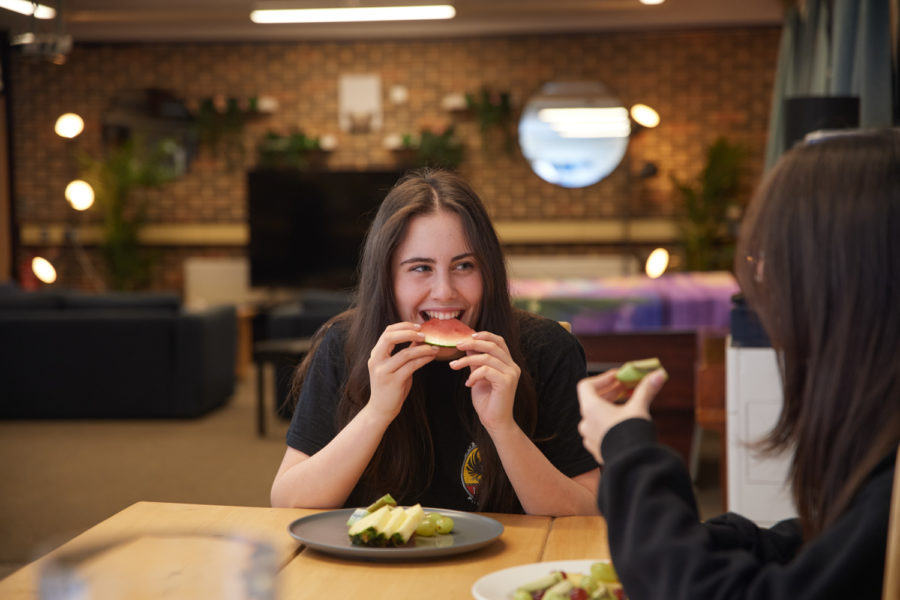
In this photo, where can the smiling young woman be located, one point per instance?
(378, 410)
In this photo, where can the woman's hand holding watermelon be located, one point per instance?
(390, 373)
(493, 378)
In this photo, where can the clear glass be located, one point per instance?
(176, 566)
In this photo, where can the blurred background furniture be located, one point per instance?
(284, 355)
(212, 281)
(601, 305)
(679, 318)
(271, 321)
(709, 402)
(113, 355)
(757, 486)
(282, 336)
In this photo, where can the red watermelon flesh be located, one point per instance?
(446, 332)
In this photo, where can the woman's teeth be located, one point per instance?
(442, 315)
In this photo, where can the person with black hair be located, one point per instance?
(819, 260)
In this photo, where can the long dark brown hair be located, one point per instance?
(404, 461)
(819, 260)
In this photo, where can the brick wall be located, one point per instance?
(704, 84)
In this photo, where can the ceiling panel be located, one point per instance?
(228, 20)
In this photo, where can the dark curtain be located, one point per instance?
(837, 48)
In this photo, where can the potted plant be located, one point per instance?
(219, 124)
(292, 151)
(493, 111)
(711, 208)
(439, 149)
(116, 177)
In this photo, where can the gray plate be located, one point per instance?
(327, 532)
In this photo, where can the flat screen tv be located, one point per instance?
(307, 228)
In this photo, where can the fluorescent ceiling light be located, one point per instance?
(26, 7)
(587, 122)
(594, 130)
(583, 115)
(353, 14)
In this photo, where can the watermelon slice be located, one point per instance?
(446, 332)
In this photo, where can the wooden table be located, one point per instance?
(306, 573)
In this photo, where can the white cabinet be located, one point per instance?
(757, 486)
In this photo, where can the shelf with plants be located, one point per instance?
(293, 151)
(219, 122)
(429, 148)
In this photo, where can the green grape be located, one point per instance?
(589, 584)
(433, 517)
(603, 571)
(444, 525)
(426, 528)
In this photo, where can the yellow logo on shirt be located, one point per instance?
(470, 474)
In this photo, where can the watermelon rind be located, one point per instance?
(632, 372)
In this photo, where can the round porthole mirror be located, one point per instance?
(574, 133)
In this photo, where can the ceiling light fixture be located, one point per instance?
(26, 7)
(353, 14)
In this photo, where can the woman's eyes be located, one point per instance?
(462, 266)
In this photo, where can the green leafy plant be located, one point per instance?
(432, 149)
(710, 208)
(221, 129)
(442, 149)
(115, 179)
(493, 111)
(295, 151)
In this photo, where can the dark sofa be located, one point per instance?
(113, 355)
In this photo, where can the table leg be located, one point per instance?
(260, 399)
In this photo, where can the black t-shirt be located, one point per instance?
(647, 498)
(555, 361)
